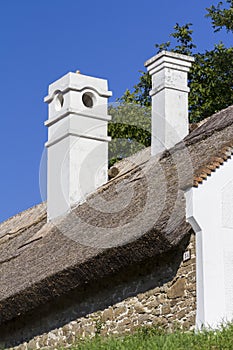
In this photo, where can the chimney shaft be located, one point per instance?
(77, 146)
(169, 99)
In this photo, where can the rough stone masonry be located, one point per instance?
(162, 292)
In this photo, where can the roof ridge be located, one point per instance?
(13, 217)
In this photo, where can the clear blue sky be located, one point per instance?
(43, 40)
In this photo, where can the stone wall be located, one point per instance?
(159, 292)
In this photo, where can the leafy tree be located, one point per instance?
(130, 130)
(140, 95)
(221, 17)
(210, 78)
(183, 36)
(210, 82)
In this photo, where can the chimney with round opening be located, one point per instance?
(77, 140)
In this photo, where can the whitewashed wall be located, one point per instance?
(210, 212)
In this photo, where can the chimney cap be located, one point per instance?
(78, 82)
(170, 58)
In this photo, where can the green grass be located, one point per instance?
(152, 338)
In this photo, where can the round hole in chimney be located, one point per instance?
(88, 99)
(59, 101)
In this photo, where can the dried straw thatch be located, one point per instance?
(138, 214)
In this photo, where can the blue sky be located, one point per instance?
(43, 40)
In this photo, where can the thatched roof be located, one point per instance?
(138, 214)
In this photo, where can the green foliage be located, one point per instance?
(130, 130)
(183, 36)
(210, 78)
(158, 338)
(210, 82)
(221, 17)
(140, 94)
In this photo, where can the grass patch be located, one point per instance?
(159, 339)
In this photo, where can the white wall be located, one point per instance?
(210, 212)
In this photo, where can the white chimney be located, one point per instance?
(77, 140)
(169, 96)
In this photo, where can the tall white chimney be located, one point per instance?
(77, 144)
(169, 95)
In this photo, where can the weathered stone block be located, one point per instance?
(181, 314)
(189, 262)
(139, 309)
(191, 288)
(32, 345)
(126, 322)
(192, 276)
(141, 297)
(90, 330)
(165, 310)
(43, 340)
(130, 311)
(22, 346)
(156, 312)
(174, 302)
(107, 315)
(144, 319)
(177, 289)
(120, 311)
(161, 298)
(154, 303)
(70, 339)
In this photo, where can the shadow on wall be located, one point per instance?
(94, 297)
